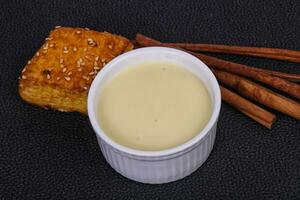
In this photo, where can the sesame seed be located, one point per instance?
(51, 45)
(95, 63)
(87, 29)
(97, 58)
(103, 60)
(80, 69)
(109, 46)
(62, 66)
(65, 49)
(37, 53)
(78, 32)
(85, 77)
(29, 62)
(91, 42)
(48, 38)
(69, 73)
(46, 46)
(57, 26)
(61, 60)
(64, 70)
(24, 77)
(67, 78)
(85, 88)
(57, 78)
(48, 76)
(91, 73)
(79, 62)
(83, 63)
(74, 49)
(24, 70)
(96, 68)
(87, 57)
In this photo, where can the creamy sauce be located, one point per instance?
(154, 106)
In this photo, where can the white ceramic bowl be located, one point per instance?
(156, 166)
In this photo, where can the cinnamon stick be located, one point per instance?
(253, 111)
(290, 88)
(286, 76)
(259, 93)
(274, 53)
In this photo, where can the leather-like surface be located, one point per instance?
(53, 155)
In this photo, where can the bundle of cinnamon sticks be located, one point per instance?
(240, 78)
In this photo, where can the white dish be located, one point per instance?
(156, 166)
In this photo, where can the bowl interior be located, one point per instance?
(156, 54)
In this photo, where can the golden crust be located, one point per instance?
(62, 70)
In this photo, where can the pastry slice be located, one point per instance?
(60, 73)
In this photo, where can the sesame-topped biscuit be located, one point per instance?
(61, 71)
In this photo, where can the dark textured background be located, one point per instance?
(47, 154)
